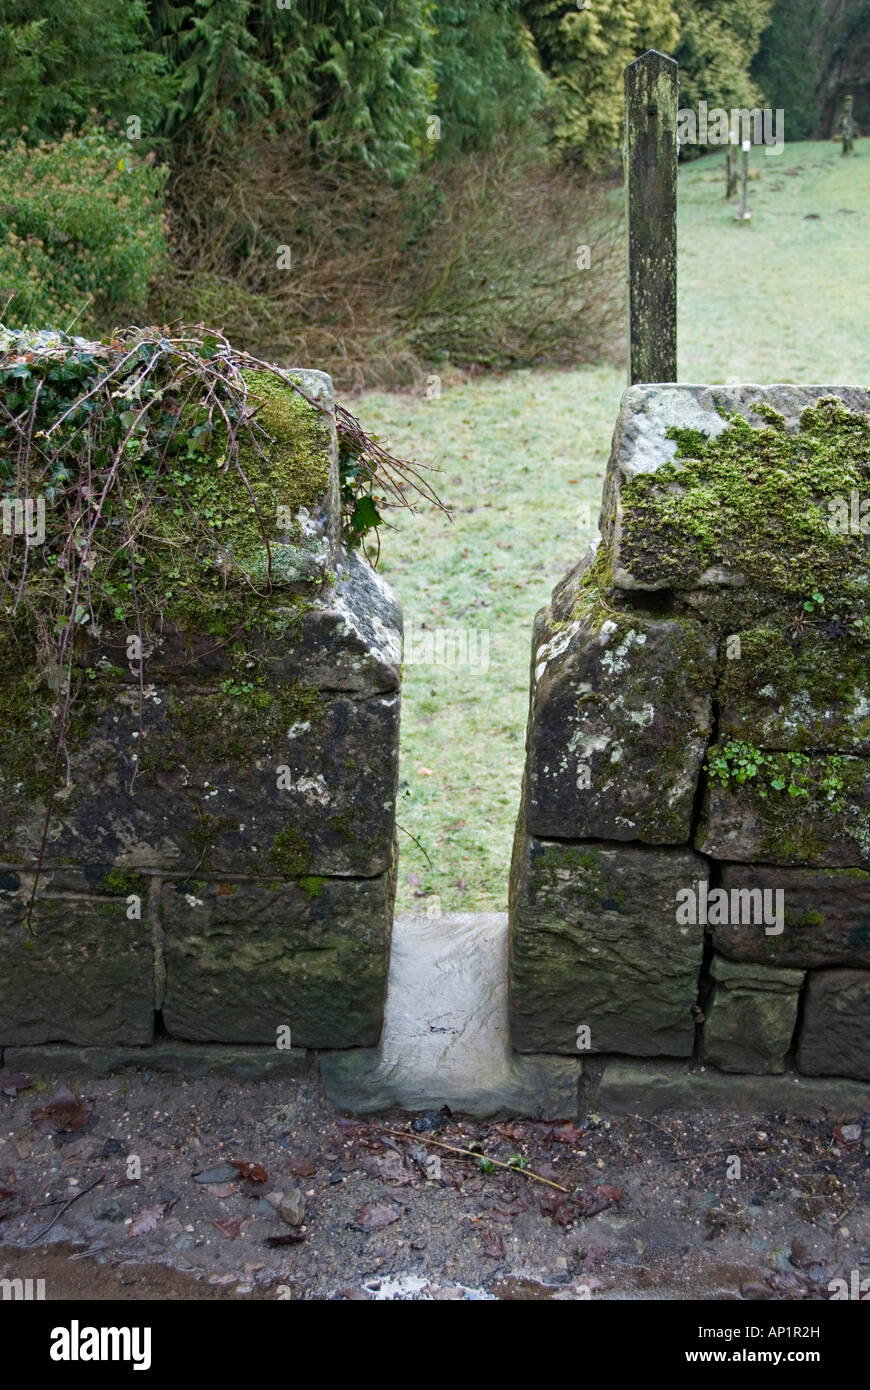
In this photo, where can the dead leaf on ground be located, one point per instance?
(493, 1244)
(221, 1189)
(302, 1167)
(513, 1130)
(389, 1168)
(565, 1133)
(255, 1172)
(231, 1227)
(146, 1220)
(374, 1215)
(288, 1238)
(63, 1113)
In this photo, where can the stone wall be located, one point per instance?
(219, 864)
(691, 871)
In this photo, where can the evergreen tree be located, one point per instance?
(358, 76)
(83, 55)
(718, 41)
(787, 67)
(584, 52)
(489, 78)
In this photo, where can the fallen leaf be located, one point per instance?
(514, 1130)
(146, 1221)
(63, 1113)
(374, 1215)
(254, 1171)
(493, 1244)
(389, 1168)
(221, 1189)
(302, 1167)
(231, 1227)
(425, 771)
(612, 1194)
(561, 1210)
(11, 1082)
(566, 1133)
(288, 1238)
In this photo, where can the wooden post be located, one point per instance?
(731, 166)
(651, 211)
(848, 126)
(742, 215)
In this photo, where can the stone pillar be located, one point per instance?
(691, 866)
(226, 860)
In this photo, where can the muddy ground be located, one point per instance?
(712, 1207)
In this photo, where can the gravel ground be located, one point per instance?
(652, 1210)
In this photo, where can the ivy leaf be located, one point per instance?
(365, 515)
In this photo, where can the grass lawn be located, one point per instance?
(785, 297)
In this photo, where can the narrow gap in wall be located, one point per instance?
(714, 869)
(161, 1032)
(791, 1055)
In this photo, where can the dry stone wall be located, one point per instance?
(691, 870)
(219, 863)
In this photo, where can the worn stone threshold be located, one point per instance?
(446, 1042)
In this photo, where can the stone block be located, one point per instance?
(620, 714)
(595, 941)
(83, 973)
(733, 487)
(206, 793)
(244, 960)
(826, 916)
(796, 689)
(835, 1031)
(824, 821)
(750, 1016)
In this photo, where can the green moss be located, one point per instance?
(815, 686)
(753, 501)
(121, 884)
(207, 829)
(231, 725)
(553, 865)
(312, 885)
(289, 855)
(804, 919)
(594, 590)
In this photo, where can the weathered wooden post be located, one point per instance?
(742, 215)
(651, 209)
(731, 166)
(847, 125)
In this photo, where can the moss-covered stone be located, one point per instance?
(734, 503)
(792, 810)
(620, 714)
(595, 942)
(750, 1017)
(241, 967)
(211, 778)
(80, 972)
(794, 687)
